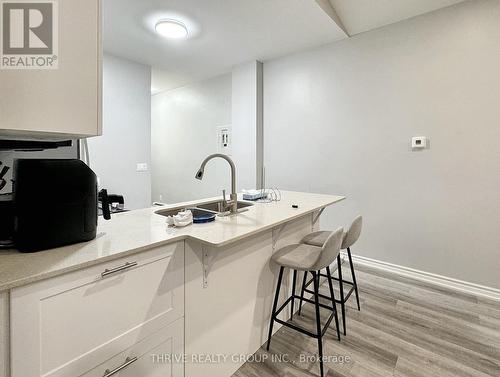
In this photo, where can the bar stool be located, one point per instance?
(350, 237)
(308, 258)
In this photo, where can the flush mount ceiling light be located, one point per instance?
(171, 29)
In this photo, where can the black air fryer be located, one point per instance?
(55, 203)
(6, 221)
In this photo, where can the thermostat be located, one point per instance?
(419, 142)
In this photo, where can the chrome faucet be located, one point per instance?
(232, 204)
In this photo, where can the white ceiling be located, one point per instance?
(225, 33)
(362, 15)
(230, 32)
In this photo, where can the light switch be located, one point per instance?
(142, 166)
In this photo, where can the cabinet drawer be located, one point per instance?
(159, 355)
(67, 325)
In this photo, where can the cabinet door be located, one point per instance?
(63, 327)
(160, 355)
(65, 101)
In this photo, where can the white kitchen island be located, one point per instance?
(204, 291)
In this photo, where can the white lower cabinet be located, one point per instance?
(68, 325)
(159, 355)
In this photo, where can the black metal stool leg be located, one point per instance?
(342, 298)
(353, 277)
(318, 323)
(330, 283)
(275, 304)
(294, 283)
(304, 280)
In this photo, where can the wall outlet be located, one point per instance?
(224, 140)
(142, 166)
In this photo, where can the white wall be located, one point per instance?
(247, 123)
(126, 138)
(339, 119)
(184, 132)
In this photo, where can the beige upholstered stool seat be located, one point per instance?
(297, 256)
(310, 259)
(317, 238)
(349, 237)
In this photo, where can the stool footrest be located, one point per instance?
(333, 278)
(343, 281)
(298, 328)
(346, 297)
(287, 301)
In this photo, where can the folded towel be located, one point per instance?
(183, 218)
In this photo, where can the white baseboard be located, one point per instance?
(427, 277)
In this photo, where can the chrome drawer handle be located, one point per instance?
(128, 361)
(126, 266)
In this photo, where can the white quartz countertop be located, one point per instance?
(135, 231)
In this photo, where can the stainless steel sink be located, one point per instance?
(218, 206)
(214, 207)
(170, 211)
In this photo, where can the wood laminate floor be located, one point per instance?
(405, 329)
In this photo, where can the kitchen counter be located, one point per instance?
(139, 230)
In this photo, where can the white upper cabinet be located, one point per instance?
(63, 98)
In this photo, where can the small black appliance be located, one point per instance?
(54, 203)
(6, 212)
(6, 221)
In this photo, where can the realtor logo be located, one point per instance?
(29, 34)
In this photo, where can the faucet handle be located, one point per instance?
(224, 202)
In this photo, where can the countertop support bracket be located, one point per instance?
(316, 218)
(276, 235)
(206, 260)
